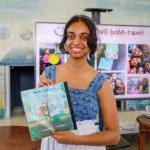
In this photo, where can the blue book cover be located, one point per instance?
(48, 109)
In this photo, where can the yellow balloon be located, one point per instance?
(54, 59)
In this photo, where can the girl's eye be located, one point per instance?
(71, 36)
(84, 36)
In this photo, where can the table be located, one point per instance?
(122, 144)
(144, 128)
(17, 138)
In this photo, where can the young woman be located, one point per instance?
(90, 91)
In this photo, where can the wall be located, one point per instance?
(18, 17)
(2, 110)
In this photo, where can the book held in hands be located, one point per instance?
(48, 109)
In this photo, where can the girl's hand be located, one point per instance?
(66, 137)
(45, 82)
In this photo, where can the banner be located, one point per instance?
(123, 54)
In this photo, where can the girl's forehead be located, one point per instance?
(78, 27)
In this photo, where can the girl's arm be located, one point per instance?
(107, 102)
(110, 135)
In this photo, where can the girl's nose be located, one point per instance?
(77, 40)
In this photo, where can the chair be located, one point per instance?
(144, 128)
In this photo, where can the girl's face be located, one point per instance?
(133, 70)
(147, 66)
(134, 62)
(137, 52)
(76, 43)
(140, 70)
(119, 83)
(46, 51)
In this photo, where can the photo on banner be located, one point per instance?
(50, 54)
(48, 37)
(139, 58)
(111, 56)
(117, 81)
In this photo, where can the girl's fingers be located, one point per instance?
(51, 82)
(45, 82)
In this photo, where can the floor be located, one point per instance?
(17, 138)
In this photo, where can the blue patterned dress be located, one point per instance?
(85, 106)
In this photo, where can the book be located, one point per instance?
(48, 109)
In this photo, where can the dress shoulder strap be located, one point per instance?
(98, 82)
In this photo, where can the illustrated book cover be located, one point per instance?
(48, 109)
